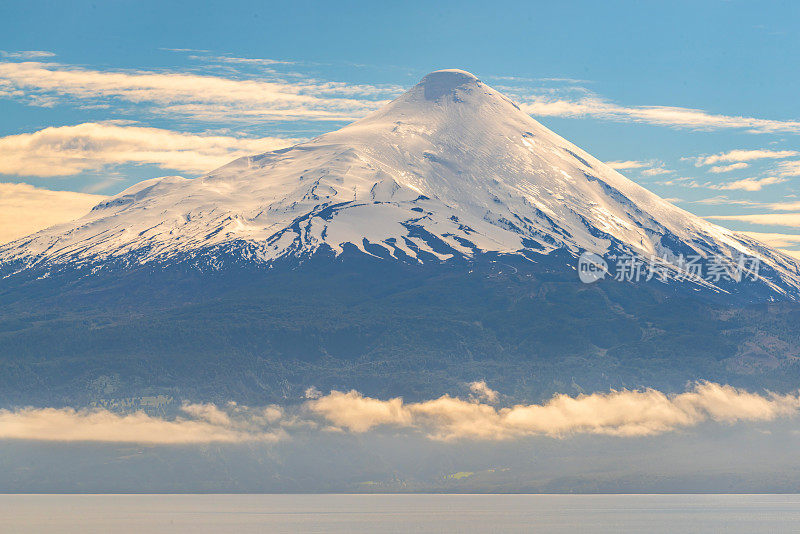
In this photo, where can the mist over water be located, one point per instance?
(398, 513)
(709, 458)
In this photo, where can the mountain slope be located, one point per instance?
(450, 168)
(428, 245)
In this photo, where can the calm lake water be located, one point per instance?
(398, 513)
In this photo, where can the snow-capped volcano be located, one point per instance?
(450, 168)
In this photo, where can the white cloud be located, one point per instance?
(624, 413)
(783, 206)
(201, 424)
(651, 167)
(208, 97)
(312, 393)
(204, 96)
(771, 219)
(180, 50)
(620, 413)
(745, 155)
(26, 54)
(593, 106)
(727, 168)
(779, 241)
(25, 209)
(684, 181)
(68, 150)
(629, 164)
(722, 200)
(656, 171)
(481, 391)
(238, 60)
(358, 413)
(775, 206)
(775, 240)
(749, 184)
(789, 168)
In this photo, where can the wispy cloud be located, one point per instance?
(624, 165)
(68, 150)
(770, 219)
(782, 206)
(745, 184)
(655, 171)
(650, 167)
(749, 184)
(728, 168)
(26, 54)
(201, 423)
(723, 200)
(25, 209)
(481, 391)
(242, 60)
(201, 96)
(744, 155)
(789, 168)
(775, 239)
(594, 106)
(182, 50)
(793, 253)
(272, 97)
(530, 80)
(685, 181)
(786, 243)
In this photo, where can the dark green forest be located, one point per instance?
(264, 334)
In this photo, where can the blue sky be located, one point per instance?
(694, 100)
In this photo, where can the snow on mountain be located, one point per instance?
(451, 167)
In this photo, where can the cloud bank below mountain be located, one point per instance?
(624, 414)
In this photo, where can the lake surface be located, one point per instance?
(398, 513)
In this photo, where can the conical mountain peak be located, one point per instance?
(451, 168)
(443, 82)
